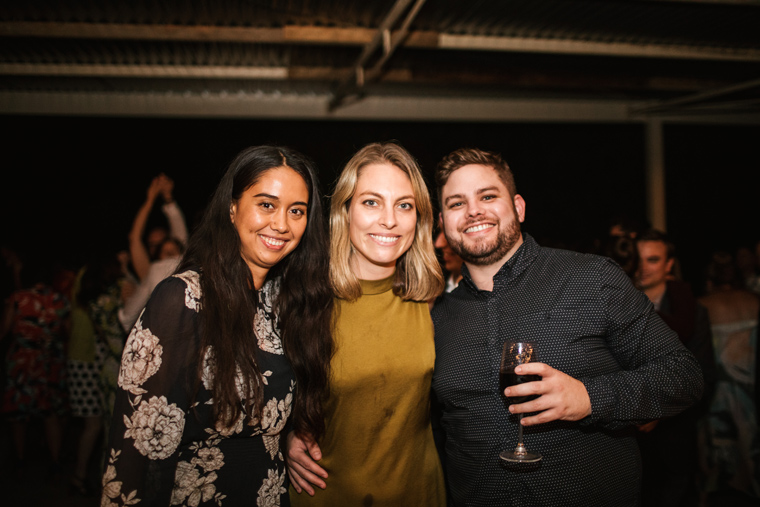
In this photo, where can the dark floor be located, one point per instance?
(36, 483)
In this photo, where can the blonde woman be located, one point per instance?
(378, 446)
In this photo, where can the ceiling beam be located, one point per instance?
(383, 40)
(522, 79)
(258, 104)
(712, 2)
(144, 71)
(356, 36)
(697, 99)
(596, 48)
(52, 30)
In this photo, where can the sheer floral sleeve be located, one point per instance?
(153, 398)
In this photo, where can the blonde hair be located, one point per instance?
(418, 274)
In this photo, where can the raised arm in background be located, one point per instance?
(137, 249)
(172, 212)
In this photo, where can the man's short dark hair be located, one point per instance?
(657, 235)
(467, 156)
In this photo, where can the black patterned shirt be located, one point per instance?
(588, 321)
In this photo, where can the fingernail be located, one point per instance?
(518, 369)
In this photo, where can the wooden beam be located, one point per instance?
(357, 36)
(711, 2)
(594, 48)
(140, 32)
(300, 73)
(144, 71)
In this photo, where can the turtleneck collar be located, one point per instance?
(373, 287)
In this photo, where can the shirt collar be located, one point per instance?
(522, 258)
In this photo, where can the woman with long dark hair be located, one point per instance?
(231, 349)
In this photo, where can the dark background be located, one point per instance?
(73, 185)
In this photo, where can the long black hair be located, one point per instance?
(304, 304)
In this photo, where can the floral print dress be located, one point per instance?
(35, 362)
(165, 447)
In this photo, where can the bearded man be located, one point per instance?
(607, 361)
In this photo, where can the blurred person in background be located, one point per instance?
(158, 256)
(669, 446)
(34, 325)
(732, 432)
(748, 263)
(452, 263)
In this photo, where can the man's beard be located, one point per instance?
(484, 254)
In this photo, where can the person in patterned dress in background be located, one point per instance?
(35, 362)
(93, 371)
(231, 349)
(104, 309)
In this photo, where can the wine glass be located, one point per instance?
(514, 354)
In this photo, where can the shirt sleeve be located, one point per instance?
(658, 377)
(177, 225)
(153, 397)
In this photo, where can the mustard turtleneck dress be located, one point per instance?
(378, 448)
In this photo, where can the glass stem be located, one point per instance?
(520, 449)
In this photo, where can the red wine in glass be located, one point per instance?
(514, 354)
(508, 378)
